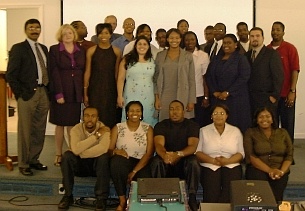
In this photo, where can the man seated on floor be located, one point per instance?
(176, 140)
(87, 157)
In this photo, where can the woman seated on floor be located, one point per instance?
(132, 147)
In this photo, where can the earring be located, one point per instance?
(140, 118)
(127, 117)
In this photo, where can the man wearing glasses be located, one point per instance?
(219, 32)
(27, 76)
(122, 41)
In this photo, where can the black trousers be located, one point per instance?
(120, 167)
(73, 165)
(187, 169)
(278, 186)
(216, 184)
(202, 115)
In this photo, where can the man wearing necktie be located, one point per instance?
(28, 77)
(214, 48)
(267, 74)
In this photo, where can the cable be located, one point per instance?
(16, 199)
(82, 202)
(161, 204)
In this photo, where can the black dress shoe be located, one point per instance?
(65, 202)
(193, 202)
(100, 204)
(38, 166)
(26, 171)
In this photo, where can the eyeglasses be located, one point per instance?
(218, 30)
(218, 113)
(34, 28)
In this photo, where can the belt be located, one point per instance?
(40, 85)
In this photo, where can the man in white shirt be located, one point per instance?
(243, 35)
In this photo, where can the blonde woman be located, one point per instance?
(66, 66)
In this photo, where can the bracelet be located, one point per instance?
(134, 171)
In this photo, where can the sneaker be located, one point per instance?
(65, 202)
(193, 202)
(100, 204)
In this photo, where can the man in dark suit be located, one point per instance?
(27, 76)
(243, 35)
(208, 36)
(267, 74)
(215, 47)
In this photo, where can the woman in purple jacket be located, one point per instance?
(67, 65)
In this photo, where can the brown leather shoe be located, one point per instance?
(26, 171)
(38, 166)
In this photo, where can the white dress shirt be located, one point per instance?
(227, 144)
(201, 62)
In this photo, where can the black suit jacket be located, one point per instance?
(208, 49)
(267, 74)
(22, 72)
(241, 48)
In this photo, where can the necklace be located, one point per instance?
(87, 133)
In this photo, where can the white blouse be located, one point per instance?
(201, 62)
(133, 142)
(227, 144)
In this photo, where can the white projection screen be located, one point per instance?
(161, 13)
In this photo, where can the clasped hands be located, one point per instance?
(220, 161)
(275, 174)
(171, 158)
(221, 95)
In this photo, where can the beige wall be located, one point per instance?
(292, 14)
(48, 13)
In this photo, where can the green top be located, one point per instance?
(273, 151)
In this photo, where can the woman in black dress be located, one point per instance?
(102, 62)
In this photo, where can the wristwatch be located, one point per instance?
(206, 98)
(180, 153)
(293, 90)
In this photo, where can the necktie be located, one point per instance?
(253, 56)
(214, 51)
(45, 79)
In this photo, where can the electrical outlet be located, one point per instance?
(61, 189)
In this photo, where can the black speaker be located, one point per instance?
(252, 195)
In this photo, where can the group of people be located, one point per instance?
(192, 104)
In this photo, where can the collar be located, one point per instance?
(258, 49)
(31, 42)
(62, 47)
(97, 126)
